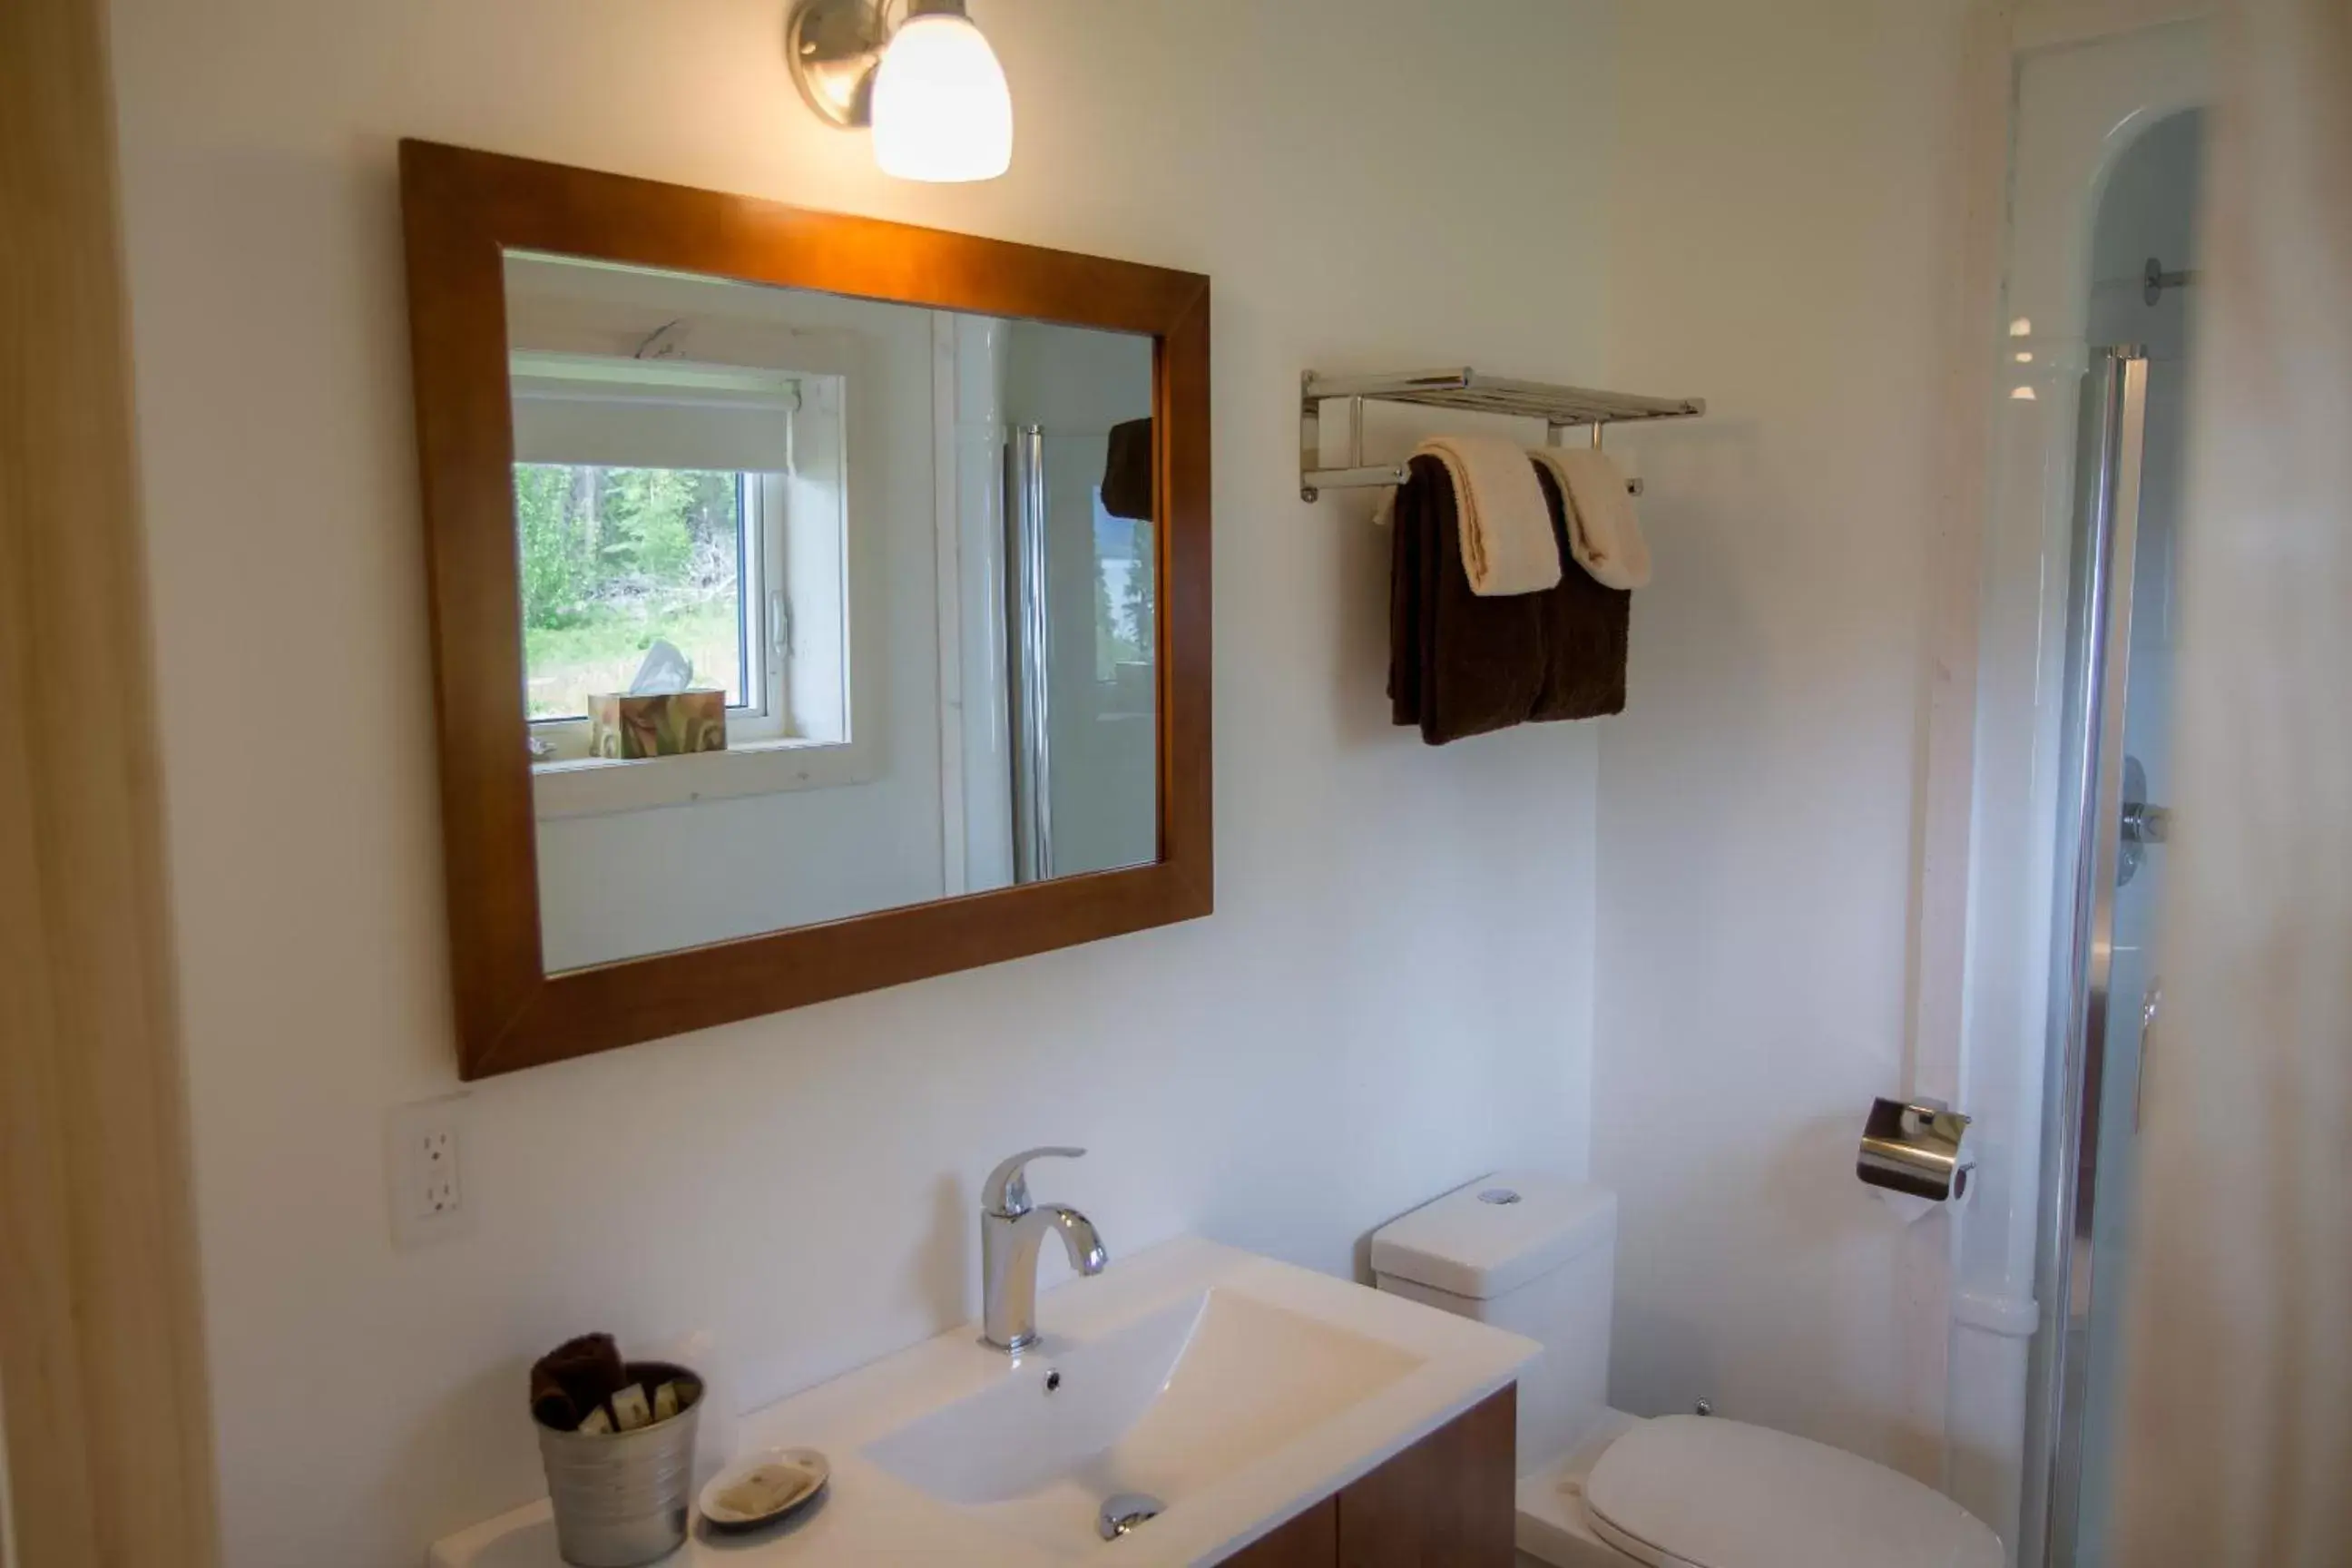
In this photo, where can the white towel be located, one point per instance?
(1602, 532)
(1506, 527)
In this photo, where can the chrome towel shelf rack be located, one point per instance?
(1465, 390)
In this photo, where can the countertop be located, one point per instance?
(871, 1516)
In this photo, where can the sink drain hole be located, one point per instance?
(1122, 1514)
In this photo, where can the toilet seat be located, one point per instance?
(1685, 1491)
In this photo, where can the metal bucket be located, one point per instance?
(621, 1497)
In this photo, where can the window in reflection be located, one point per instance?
(697, 506)
(613, 559)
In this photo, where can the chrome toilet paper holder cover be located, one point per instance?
(1914, 1146)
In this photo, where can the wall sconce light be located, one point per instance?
(929, 89)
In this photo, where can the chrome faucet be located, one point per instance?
(1011, 1228)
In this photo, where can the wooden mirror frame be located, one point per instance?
(462, 210)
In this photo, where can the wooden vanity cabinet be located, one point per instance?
(1448, 1501)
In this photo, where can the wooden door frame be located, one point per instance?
(101, 1344)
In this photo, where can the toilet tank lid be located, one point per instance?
(1496, 1234)
(1711, 1493)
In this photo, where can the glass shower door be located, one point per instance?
(2118, 766)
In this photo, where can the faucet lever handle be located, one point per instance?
(1006, 1191)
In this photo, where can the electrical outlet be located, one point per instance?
(425, 1160)
(437, 1190)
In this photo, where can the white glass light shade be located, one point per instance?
(941, 111)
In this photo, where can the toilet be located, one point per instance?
(1600, 1488)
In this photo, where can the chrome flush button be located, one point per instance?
(1498, 1195)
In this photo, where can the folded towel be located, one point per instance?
(1507, 546)
(1603, 536)
(574, 1378)
(1462, 664)
(1126, 471)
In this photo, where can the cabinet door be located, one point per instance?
(1309, 1541)
(1448, 1501)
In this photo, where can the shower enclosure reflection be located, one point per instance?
(1081, 579)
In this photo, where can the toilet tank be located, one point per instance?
(1528, 1252)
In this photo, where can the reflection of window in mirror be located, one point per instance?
(684, 480)
(1124, 611)
(695, 505)
(682, 508)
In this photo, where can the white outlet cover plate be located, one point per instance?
(425, 1178)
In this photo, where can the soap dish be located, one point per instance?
(765, 1489)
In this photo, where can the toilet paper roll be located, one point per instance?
(1915, 1147)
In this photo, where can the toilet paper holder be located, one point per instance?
(1914, 1146)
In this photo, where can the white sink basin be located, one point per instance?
(1231, 1389)
(1165, 1407)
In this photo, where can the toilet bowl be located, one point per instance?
(1600, 1488)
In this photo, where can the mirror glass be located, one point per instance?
(829, 604)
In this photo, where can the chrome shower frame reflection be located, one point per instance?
(1028, 642)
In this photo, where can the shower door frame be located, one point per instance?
(2092, 785)
(1990, 963)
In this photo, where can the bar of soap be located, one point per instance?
(666, 1400)
(765, 1489)
(596, 1425)
(630, 1410)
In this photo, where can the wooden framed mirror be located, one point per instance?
(818, 603)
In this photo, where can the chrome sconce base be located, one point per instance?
(832, 47)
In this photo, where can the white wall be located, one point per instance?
(1782, 245)
(1394, 993)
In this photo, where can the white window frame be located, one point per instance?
(764, 715)
(763, 756)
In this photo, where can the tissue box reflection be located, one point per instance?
(626, 727)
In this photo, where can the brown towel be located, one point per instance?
(574, 1378)
(1126, 472)
(1460, 664)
